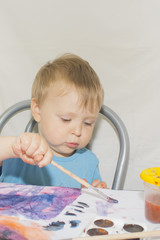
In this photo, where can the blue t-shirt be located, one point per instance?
(83, 163)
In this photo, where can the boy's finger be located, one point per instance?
(37, 158)
(25, 141)
(33, 144)
(17, 147)
(46, 159)
(82, 186)
(27, 159)
(103, 185)
(42, 150)
(96, 183)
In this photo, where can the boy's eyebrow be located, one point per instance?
(73, 114)
(91, 118)
(65, 113)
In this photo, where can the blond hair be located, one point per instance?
(74, 71)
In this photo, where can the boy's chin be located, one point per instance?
(68, 154)
(64, 154)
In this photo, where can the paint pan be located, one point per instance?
(102, 225)
(96, 231)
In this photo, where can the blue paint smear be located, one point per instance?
(83, 204)
(74, 223)
(77, 210)
(70, 214)
(78, 206)
(55, 226)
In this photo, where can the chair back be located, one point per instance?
(109, 114)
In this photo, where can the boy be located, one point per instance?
(66, 98)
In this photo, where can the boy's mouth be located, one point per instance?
(72, 144)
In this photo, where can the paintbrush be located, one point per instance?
(123, 236)
(83, 182)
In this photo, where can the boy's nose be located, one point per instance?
(77, 130)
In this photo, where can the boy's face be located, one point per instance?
(63, 123)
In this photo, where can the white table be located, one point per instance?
(128, 210)
(18, 211)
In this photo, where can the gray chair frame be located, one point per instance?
(109, 114)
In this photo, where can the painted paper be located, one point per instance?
(28, 212)
(35, 202)
(53, 213)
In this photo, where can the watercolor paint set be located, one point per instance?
(105, 226)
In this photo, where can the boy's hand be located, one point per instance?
(97, 183)
(33, 149)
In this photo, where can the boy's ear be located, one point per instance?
(35, 109)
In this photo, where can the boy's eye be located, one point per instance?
(65, 119)
(88, 123)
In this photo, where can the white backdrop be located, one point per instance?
(120, 39)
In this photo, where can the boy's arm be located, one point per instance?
(6, 150)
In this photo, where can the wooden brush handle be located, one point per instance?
(83, 182)
(122, 236)
(72, 175)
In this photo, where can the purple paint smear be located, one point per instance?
(102, 207)
(35, 202)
